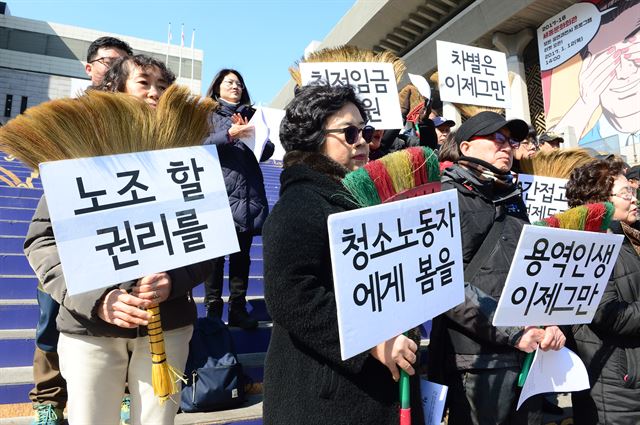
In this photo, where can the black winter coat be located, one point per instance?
(305, 380)
(610, 347)
(463, 338)
(242, 175)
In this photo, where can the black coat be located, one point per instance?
(610, 347)
(464, 337)
(305, 380)
(242, 175)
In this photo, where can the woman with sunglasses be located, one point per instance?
(245, 188)
(609, 346)
(325, 136)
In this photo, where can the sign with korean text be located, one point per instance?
(395, 266)
(375, 83)
(471, 75)
(557, 277)
(121, 217)
(543, 196)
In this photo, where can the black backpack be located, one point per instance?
(214, 376)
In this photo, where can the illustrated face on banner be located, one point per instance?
(595, 91)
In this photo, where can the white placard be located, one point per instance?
(395, 266)
(260, 134)
(557, 277)
(421, 84)
(565, 34)
(471, 75)
(543, 196)
(273, 118)
(553, 371)
(121, 217)
(375, 83)
(433, 397)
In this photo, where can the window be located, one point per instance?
(7, 105)
(23, 104)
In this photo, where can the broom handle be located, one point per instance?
(405, 397)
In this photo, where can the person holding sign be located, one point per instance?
(479, 362)
(245, 187)
(104, 334)
(609, 346)
(306, 381)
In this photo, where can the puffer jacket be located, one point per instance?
(79, 313)
(242, 175)
(463, 338)
(610, 347)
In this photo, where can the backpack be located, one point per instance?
(215, 380)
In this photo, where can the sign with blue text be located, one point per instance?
(395, 266)
(121, 217)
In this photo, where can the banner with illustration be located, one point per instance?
(590, 70)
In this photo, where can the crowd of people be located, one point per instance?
(90, 346)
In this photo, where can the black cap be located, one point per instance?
(633, 172)
(488, 122)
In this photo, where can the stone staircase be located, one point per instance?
(20, 190)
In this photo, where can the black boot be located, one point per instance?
(239, 317)
(214, 309)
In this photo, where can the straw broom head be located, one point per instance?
(348, 53)
(100, 123)
(558, 163)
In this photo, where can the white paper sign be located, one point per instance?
(552, 371)
(565, 34)
(273, 118)
(375, 83)
(259, 135)
(421, 84)
(557, 277)
(543, 196)
(395, 266)
(472, 75)
(433, 397)
(121, 217)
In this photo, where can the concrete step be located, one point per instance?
(8, 213)
(20, 192)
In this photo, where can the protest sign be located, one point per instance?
(121, 217)
(260, 134)
(543, 196)
(433, 401)
(375, 83)
(472, 75)
(395, 266)
(557, 277)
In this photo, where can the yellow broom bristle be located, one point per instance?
(164, 377)
(348, 53)
(400, 170)
(100, 123)
(558, 163)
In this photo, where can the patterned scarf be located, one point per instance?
(633, 235)
(490, 182)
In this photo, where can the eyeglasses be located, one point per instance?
(626, 193)
(106, 61)
(352, 132)
(230, 83)
(499, 138)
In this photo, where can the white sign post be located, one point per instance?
(557, 277)
(375, 83)
(121, 217)
(543, 196)
(395, 266)
(471, 75)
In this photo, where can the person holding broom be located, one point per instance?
(325, 136)
(104, 342)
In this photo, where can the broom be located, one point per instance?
(403, 174)
(100, 123)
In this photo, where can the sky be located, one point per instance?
(259, 38)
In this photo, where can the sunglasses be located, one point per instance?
(499, 138)
(352, 132)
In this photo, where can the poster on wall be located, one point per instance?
(590, 69)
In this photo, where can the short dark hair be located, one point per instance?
(214, 89)
(115, 80)
(302, 127)
(107, 43)
(449, 150)
(593, 182)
